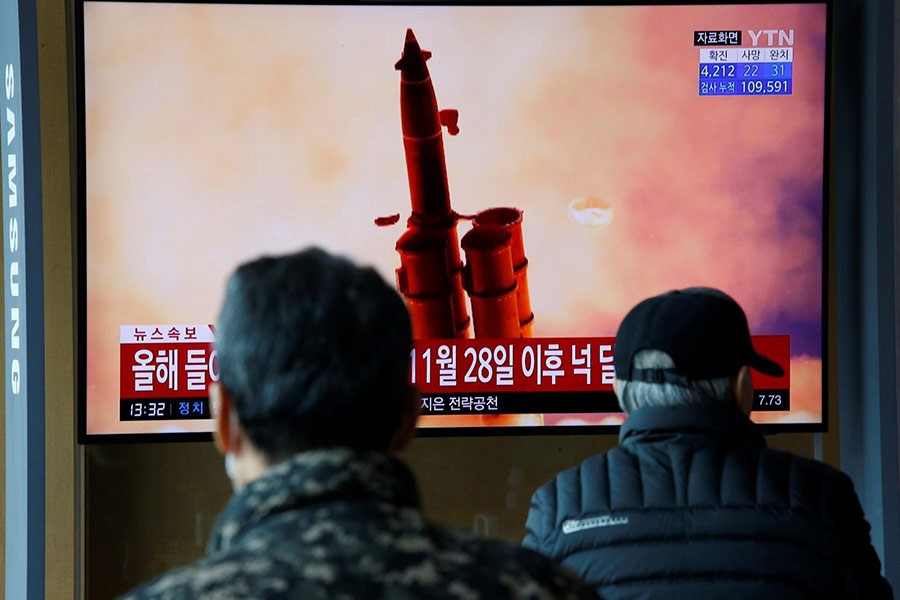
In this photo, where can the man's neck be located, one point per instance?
(249, 465)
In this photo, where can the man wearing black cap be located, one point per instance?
(692, 504)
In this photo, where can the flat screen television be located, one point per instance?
(523, 174)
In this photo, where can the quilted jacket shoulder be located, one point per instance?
(693, 504)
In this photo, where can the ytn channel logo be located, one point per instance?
(767, 38)
(783, 37)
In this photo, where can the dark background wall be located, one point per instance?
(150, 507)
(866, 245)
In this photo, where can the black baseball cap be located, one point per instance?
(704, 331)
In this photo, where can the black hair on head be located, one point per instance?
(314, 351)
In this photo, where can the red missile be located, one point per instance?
(431, 275)
(430, 272)
(422, 138)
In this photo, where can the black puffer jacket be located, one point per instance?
(693, 505)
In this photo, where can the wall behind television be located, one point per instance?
(61, 511)
(148, 507)
(867, 243)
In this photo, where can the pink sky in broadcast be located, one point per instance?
(215, 135)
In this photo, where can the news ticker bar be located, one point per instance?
(178, 409)
(561, 403)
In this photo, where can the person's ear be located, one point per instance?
(408, 419)
(742, 386)
(227, 433)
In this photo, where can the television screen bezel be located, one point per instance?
(829, 359)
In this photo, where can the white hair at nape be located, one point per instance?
(638, 394)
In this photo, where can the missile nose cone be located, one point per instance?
(412, 61)
(411, 44)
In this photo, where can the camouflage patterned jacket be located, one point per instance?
(341, 524)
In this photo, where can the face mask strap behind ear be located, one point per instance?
(230, 468)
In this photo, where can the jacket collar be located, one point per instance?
(311, 477)
(723, 424)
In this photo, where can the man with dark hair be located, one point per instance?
(313, 400)
(692, 504)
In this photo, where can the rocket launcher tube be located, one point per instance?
(496, 316)
(433, 293)
(509, 219)
(423, 259)
(489, 261)
(491, 283)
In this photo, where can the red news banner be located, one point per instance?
(165, 370)
(516, 365)
(547, 375)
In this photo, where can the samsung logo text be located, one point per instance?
(15, 368)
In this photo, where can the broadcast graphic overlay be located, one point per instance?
(523, 175)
